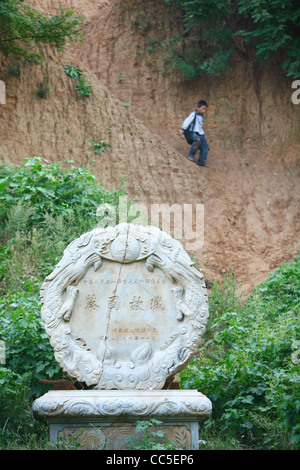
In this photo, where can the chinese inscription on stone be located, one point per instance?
(125, 308)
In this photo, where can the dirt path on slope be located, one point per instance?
(251, 189)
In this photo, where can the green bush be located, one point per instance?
(23, 27)
(245, 366)
(215, 31)
(283, 286)
(72, 71)
(14, 398)
(43, 207)
(148, 436)
(28, 351)
(100, 146)
(51, 189)
(44, 89)
(83, 88)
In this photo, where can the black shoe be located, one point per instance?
(203, 164)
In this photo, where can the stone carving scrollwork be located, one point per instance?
(147, 367)
(109, 406)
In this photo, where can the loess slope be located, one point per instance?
(251, 190)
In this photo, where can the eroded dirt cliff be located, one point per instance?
(251, 189)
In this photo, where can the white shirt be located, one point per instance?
(198, 127)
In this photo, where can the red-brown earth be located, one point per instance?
(250, 191)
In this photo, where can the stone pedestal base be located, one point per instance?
(105, 419)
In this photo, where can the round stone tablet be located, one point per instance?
(125, 308)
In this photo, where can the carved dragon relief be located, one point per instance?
(145, 368)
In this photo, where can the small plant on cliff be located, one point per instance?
(72, 71)
(83, 88)
(100, 147)
(44, 89)
(14, 69)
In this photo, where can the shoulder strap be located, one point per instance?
(192, 125)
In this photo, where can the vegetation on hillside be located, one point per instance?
(248, 366)
(22, 27)
(217, 30)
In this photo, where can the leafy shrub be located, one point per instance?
(100, 146)
(149, 437)
(14, 69)
(245, 367)
(28, 351)
(183, 56)
(283, 285)
(216, 31)
(23, 26)
(83, 88)
(43, 207)
(14, 398)
(72, 71)
(44, 89)
(51, 189)
(18, 429)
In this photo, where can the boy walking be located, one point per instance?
(192, 130)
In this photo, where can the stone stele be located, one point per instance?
(124, 309)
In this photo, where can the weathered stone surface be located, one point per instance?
(106, 418)
(91, 405)
(122, 436)
(125, 308)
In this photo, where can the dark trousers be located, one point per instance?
(199, 143)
